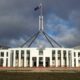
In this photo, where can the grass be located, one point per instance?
(38, 76)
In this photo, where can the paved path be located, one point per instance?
(40, 69)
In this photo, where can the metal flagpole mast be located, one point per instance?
(41, 18)
(41, 28)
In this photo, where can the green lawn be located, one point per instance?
(39, 76)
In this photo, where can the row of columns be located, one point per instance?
(6, 59)
(68, 62)
(37, 62)
(19, 56)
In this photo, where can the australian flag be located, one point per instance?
(36, 8)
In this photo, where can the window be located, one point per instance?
(17, 53)
(64, 53)
(59, 58)
(28, 53)
(2, 54)
(78, 54)
(22, 53)
(53, 58)
(7, 54)
(40, 52)
(79, 61)
(40, 58)
(74, 54)
(53, 53)
(59, 53)
(28, 58)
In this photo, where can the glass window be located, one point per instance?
(74, 54)
(78, 54)
(64, 53)
(17, 53)
(53, 53)
(28, 53)
(59, 53)
(7, 54)
(79, 61)
(22, 53)
(2, 54)
(53, 58)
(40, 52)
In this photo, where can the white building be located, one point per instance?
(34, 57)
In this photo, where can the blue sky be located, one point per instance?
(18, 21)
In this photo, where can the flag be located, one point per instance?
(36, 8)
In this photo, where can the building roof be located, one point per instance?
(4, 47)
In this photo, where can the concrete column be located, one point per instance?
(37, 61)
(14, 59)
(76, 59)
(0, 54)
(62, 61)
(56, 58)
(67, 59)
(19, 58)
(8, 58)
(51, 61)
(44, 59)
(31, 61)
(25, 56)
(4, 64)
(72, 54)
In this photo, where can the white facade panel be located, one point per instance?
(34, 57)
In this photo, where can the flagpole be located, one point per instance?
(41, 9)
(41, 18)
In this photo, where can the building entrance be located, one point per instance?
(40, 61)
(34, 61)
(47, 61)
(1, 62)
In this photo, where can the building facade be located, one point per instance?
(34, 57)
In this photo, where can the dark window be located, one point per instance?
(40, 52)
(79, 54)
(59, 53)
(7, 54)
(53, 53)
(74, 54)
(28, 52)
(28, 58)
(53, 58)
(17, 53)
(64, 53)
(2, 54)
(40, 58)
(22, 53)
(59, 58)
(79, 61)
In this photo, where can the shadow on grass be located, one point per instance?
(38, 76)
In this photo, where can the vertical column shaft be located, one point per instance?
(37, 60)
(62, 63)
(67, 59)
(31, 61)
(51, 60)
(19, 58)
(44, 61)
(25, 56)
(14, 59)
(4, 64)
(41, 23)
(72, 54)
(76, 59)
(56, 58)
(8, 58)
